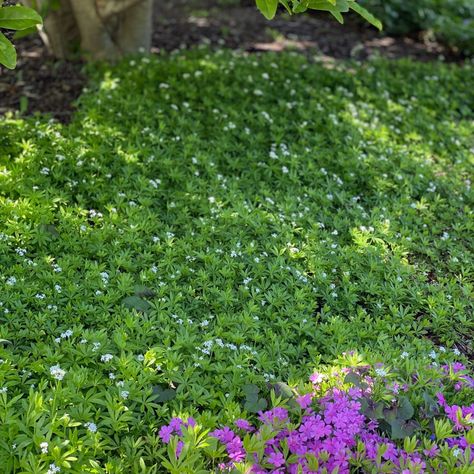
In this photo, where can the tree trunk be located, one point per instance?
(103, 29)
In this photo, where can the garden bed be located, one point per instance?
(210, 221)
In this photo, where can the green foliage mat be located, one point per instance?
(213, 220)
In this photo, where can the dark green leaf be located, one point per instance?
(250, 389)
(144, 292)
(405, 409)
(163, 394)
(135, 302)
(256, 406)
(402, 428)
(353, 379)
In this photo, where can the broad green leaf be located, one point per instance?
(405, 409)
(7, 52)
(353, 379)
(135, 302)
(268, 8)
(365, 14)
(401, 428)
(250, 389)
(256, 406)
(144, 292)
(163, 394)
(18, 18)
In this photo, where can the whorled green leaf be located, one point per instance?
(18, 17)
(267, 7)
(7, 52)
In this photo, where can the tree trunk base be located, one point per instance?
(102, 29)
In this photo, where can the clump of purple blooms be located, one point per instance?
(331, 434)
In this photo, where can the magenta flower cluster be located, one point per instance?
(331, 434)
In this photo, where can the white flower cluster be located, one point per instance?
(106, 357)
(57, 372)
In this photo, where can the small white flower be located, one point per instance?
(44, 447)
(92, 427)
(53, 469)
(3, 390)
(404, 355)
(381, 372)
(456, 351)
(57, 372)
(140, 357)
(44, 171)
(433, 354)
(11, 281)
(285, 170)
(106, 357)
(124, 394)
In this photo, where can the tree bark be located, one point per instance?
(104, 29)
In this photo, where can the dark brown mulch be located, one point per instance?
(41, 84)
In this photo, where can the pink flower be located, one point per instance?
(316, 378)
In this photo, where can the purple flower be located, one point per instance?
(304, 401)
(276, 459)
(243, 425)
(273, 416)
(165, 433)
(224, 435)
(179, 448)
